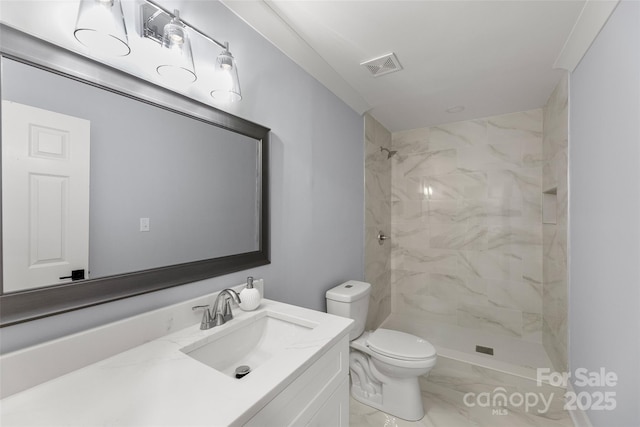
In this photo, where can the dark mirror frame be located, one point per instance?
(32, 304)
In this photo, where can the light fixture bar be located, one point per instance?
(172, 33)
(162, 16)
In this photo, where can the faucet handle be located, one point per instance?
(207, 321)
(227, 313)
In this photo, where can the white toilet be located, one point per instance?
(384, 364)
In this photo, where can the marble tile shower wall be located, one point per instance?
(377, 269)
(466, 224)
(554, 178)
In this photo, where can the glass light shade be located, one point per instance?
(100, 26)
(178, 67)
(226, 76)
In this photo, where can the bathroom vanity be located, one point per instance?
(299, 374)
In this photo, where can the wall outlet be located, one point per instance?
(144, 224)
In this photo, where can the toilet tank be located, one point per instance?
(350, 299)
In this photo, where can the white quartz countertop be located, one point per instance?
(156, 384)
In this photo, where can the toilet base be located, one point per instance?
(401, 398)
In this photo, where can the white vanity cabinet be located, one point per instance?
(298, 378)
(318, 397)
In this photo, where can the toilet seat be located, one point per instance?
(399, 345)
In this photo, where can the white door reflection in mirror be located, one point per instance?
(45, 197)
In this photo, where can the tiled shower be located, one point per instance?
(463, 204)
(554, 233)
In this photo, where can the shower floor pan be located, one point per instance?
(510, 355)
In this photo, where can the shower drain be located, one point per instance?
(484, 350)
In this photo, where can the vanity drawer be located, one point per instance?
(335, 411)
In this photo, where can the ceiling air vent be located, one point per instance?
(383, 65)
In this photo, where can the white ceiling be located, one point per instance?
(492, 57)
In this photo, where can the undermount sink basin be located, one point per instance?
(251, 342)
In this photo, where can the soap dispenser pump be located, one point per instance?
(249, 296)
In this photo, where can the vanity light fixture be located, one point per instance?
(178, 68)
(175, 36)
(227, 82)
(100, 27)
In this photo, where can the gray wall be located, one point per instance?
(604, 213)
(317, 191)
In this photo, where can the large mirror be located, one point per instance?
(113, 187)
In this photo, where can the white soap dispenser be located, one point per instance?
(249, 296)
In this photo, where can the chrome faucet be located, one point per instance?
(218, 316)
(225, 314)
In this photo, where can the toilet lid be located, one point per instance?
(399, 345)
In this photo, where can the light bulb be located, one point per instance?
(176, 38)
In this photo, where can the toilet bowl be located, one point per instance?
(384, 364)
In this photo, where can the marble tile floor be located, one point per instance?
(443, 399)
